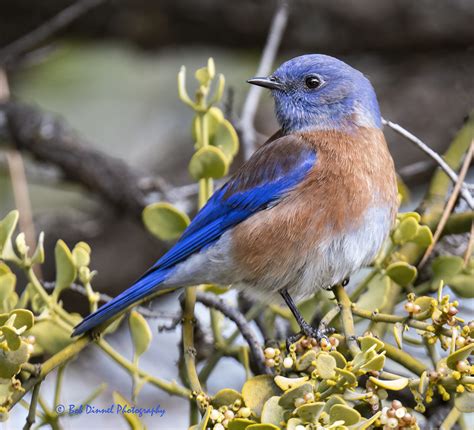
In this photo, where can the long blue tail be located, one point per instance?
(149, 283)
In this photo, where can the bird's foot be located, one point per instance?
(311, 333)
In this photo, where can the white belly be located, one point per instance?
(330, 262)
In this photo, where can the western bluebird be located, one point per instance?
(310, 207)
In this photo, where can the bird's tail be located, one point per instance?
(152, 281)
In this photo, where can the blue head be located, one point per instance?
(318, 92)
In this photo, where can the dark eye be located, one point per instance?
(313, 82)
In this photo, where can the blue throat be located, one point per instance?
(347, 114)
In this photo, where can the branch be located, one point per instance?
(49, 139)
(46, 30)
(147, 313)
(347, 320)
(249, 110)
(392, 319)
(449, 205)
(213, 301)
(30, 419)
(465, 193)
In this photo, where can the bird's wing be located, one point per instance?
(275, 168)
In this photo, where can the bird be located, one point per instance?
(310, 207)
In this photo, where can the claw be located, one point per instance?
(310, 332)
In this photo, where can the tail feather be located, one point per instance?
(143, 287)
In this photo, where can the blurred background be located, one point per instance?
(110, 76)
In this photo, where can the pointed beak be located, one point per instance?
(270, 83)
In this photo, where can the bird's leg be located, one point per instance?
(306, 329)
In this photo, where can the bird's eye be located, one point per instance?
(313, 82)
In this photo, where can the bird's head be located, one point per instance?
(318, 92)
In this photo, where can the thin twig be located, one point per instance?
(30, 419)
(392, 319)
(249, 109)
(16, 169)
(450, 204)
(47, 29)
(435, 156)
(470, 246)
(213, 301)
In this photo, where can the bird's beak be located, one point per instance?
(270, 83)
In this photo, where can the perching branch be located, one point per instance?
(347, 320)
(249, 109)
(465, 193)
(213, 301)
(46, 30)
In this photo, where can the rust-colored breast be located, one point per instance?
(353, 172)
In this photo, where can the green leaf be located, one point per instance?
(66, 271)
(132, 419)
(376, 295)
(326, 365)
(7, 291)
(208, 162)
(406, 230)
(459, 355)
(404, 215)
(424, 236)
(368, 342)
(446, 266)
(259, 426)
(310, 412)
(366, 423)
(398, 329)
(272, 412)
(50, 336)
(340, 359)
(347, 376)
(38, 255)
(463, 285)
(23, 318)
(392, 384)
(141, 333)
(240, 424)
(333, 400)
(11, 361)
(287, 400)
(305, 360)
(12, 338)
(164, 220)
(225, 397)
(286, 383)
(375, 364)
(7, 227)
(226, 139)
(402, 273)
(202, 75)
(465, 402)
(257, 390)
(211, 67)
(344, 413)
(425, 303)
(81, 254)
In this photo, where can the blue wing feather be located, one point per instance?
(276, 168)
